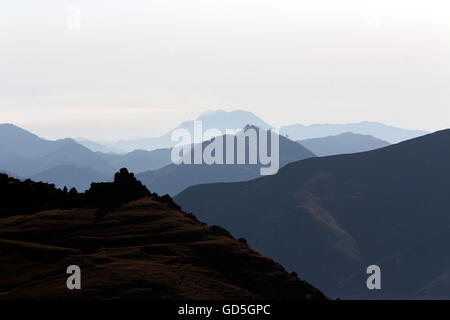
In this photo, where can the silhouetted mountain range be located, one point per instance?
(375, 129)
(342, 144)
(129, 244)
(175, 178)
(329, 218)
(67, 162)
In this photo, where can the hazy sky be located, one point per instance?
(138, 68)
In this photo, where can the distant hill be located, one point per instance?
(25, 154)
(219, 119)
(15, 140)
(375, 129)
(65, 162)
(175, 178)
(139, 160)
(342, 144)
(98, 147)
(130, 244)
(329, 218)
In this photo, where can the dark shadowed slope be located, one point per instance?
(173, 178)
(329, 218)
(39, 196)
(25, 197)
(343, 143)
(143, 249)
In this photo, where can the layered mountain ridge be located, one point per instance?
(343, 143)
(174, 178)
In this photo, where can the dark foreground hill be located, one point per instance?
(129, 244)
(330, 218)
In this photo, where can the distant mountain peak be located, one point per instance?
(11, 129)
(68, 141)
(8, 125)
(221, 112)
(210, 113)
(251, 126)
(234, 119)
